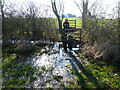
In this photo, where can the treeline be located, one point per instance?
(26, 23)
(16, 28)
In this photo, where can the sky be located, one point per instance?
(69, 5)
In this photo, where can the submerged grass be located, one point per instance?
(15, 72)
(16, 75)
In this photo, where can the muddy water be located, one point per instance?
(54, 68)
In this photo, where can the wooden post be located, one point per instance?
(75, 23)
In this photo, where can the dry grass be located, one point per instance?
(102, 40)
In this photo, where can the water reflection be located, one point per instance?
(54, 65)
(17, 41)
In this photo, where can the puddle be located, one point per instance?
(56, 68)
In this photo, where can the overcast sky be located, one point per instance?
(70, 6)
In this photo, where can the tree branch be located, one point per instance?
(78, 6)
(93, 4)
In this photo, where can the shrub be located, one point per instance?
(103, 35)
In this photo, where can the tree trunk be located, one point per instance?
(33, 25)
(60, 24)
(84, 14)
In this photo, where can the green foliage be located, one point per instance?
(43, 68)
(105, 74)
(72, 85)
(15, 72)
(27, 28)
(16, 75)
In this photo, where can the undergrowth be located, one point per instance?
(107, 75)
(15, 72)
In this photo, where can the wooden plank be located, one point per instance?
(77, 33)
(69, 32)
(72, 30)
(77, 37)
(73, 33)
(71, 20)
(72, 25)
(75, 23)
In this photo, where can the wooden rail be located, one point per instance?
(54, 35)
(74, 32)
(73, 22)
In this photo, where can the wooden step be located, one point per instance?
(77, 37)
(72, 30)
(77, 33)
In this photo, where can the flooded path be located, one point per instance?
(54, 68)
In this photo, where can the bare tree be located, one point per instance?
(58, 10)
(2, 12)
(119, 13)
(0, 20)
(7, 10)
(2, 5)
(85, 10)
(30, 12)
